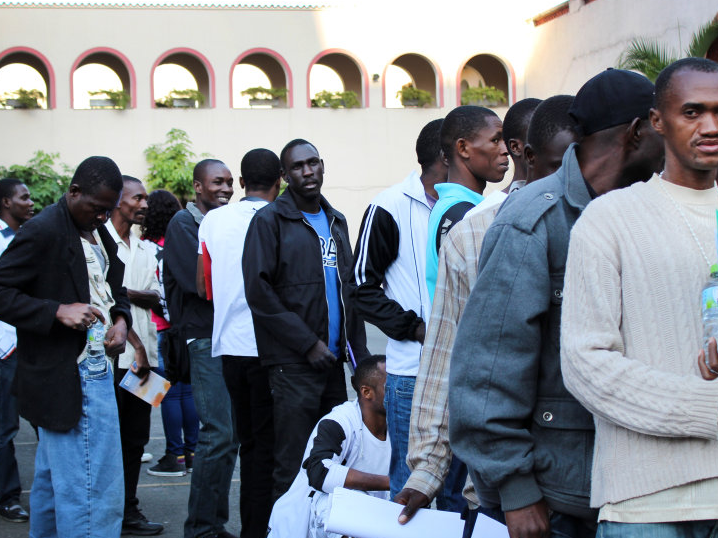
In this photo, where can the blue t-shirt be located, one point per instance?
(329, 260)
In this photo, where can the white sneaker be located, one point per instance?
(146, 457)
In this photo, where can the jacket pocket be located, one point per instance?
(563, 433)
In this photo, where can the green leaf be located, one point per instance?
(702, 39)
(647, 57)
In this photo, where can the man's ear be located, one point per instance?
(633, 135)
(529, 155)
(656, 120)
(366, 392)
(197, 187)
(516, 148)
(460, 148)
(74, 191)
(241, 182)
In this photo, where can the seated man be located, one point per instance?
(348, 448)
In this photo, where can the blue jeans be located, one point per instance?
(217, 447)
(178, 411)
(78, 489)
(680, 529)
(9, 425)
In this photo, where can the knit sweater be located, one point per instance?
(631, 333)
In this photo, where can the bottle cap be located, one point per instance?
(714, 269)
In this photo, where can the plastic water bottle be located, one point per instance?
(709, 308)
(96, 361)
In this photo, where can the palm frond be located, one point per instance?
(702, 39)
(647, 57)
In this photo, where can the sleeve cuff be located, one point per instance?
(424, 482)
(336, 476)
(519, 491)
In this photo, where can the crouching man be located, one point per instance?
(348, 448)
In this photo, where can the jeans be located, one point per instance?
(679, 529)
(302, 395)
(248, 385)
(216, 454)
(9, 424)
(179, 413)
(78, 486)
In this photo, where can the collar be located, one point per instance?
(196, 213)
(575, 186)
(134, 240)
(252, 199)
(287, 206)
(5, 230)
(414, 188)
(447, 191)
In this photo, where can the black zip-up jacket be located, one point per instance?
(285, 286)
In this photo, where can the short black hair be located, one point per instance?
(260, 169)
(366, 371)
(663, 82)
(8, 186)
(95, 172)
(130, 179)
(201, 167)
(428, 145)
(517, 119)
(550, 118)
(161, 207)
(463, 122)
(294, 143)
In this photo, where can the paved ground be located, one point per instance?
(162, 499)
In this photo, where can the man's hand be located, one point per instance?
(420, 332)
(141, 366)
(79, 316)
(116, 338)
(709, 371)
(529, 522)
(412, 501)
(147, 299)
(319, 356)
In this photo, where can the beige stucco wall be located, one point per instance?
(364, 150)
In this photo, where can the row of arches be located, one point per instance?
(333, 70)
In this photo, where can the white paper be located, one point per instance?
(489, 528)
(359, 515)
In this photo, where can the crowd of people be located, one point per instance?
(545, 364)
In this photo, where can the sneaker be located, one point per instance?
(14, 512)
(146, 457)
(188, 461)
(167, 465)
(136, 523)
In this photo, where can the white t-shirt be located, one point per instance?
(222, 232)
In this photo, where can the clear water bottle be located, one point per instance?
(96, 361)
(709, 308)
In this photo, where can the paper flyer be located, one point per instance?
(152, 392)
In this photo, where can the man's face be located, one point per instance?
(546, 162)
(90, 211)
(215, 188)
(379, 389)
(488, 158)
(20, 205)
(133, 202)
(688, 119)
(304, 171)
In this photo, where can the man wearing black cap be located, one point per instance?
(510, 417)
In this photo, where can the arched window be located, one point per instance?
(103, 78)
(411, 80)
(338, 80)
(183, 78)
(485, 71)
(23, 68)
(267, 77)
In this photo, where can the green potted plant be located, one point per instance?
(23, 98)
(489, 96)
(411, 96)
(261, 96)
(188, 98)
(118, 99)
(327, 99)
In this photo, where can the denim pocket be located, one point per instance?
(96, 367)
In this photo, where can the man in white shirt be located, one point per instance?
(221, 244)
(143, 291)
(15, 209)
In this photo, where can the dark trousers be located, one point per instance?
(9, 425)
(134, 434)
(248, 385)
(302, 395)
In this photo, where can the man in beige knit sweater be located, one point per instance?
(631, 328)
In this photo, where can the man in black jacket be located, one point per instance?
(57, 277)
(208, 505)
(297, 267)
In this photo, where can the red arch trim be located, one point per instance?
(437, 73)
(50, 71)
(276, 56)
(359, 64)
(509, 72)
(124, 59)
(201, 57)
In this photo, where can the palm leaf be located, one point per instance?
(702, 39)
(647, 57)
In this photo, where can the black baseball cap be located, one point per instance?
(611, 98)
